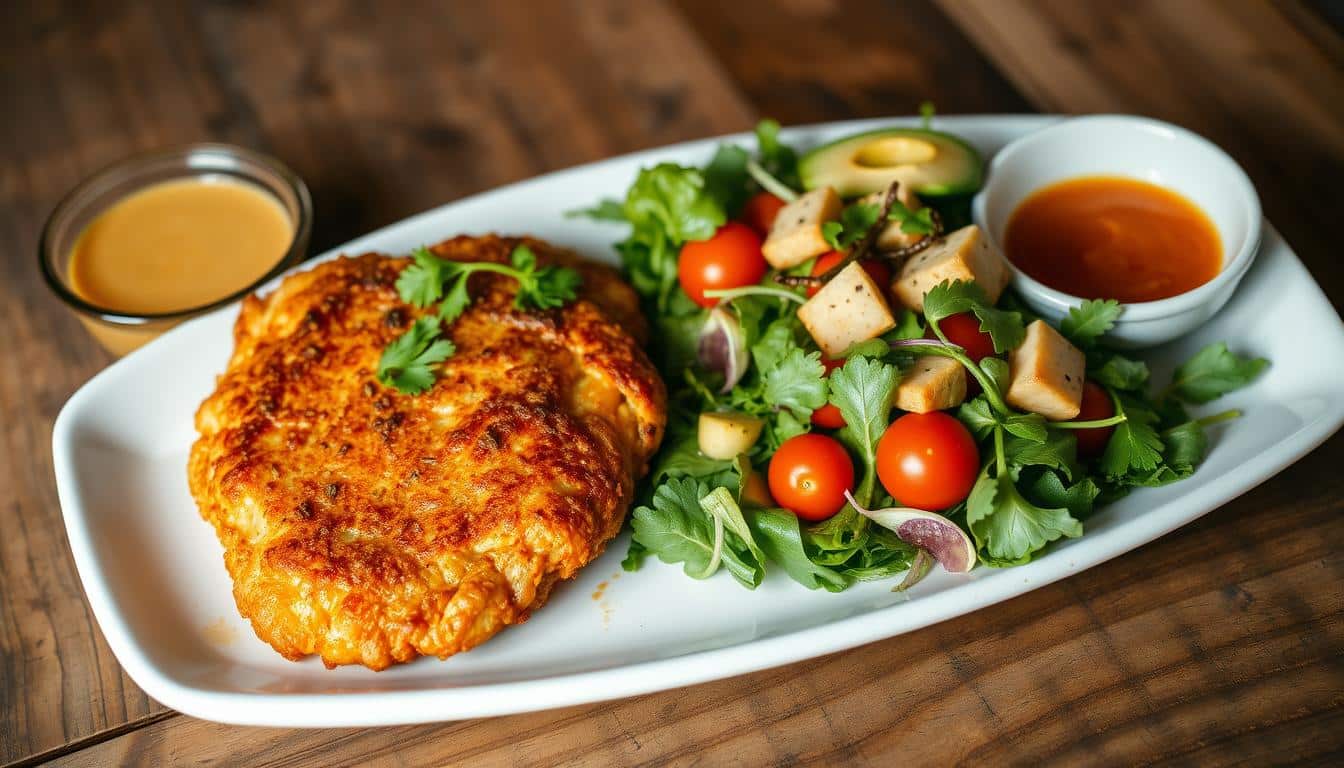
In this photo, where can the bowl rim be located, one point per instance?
(298, 243)
(1232, 270)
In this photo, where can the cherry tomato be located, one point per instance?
(828, 416)
(730, 259)
(1096, 405)
(963, 329)
(809, 475)
(927, 460)
(878, 270)
(760, 212)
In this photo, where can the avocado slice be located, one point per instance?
(933, 163)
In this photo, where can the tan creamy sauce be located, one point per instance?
(179, 244)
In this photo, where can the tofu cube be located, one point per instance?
(932, 384)
(847, 310)
(963, 255)
(1046, 374)
(795, 236)
(892, 238)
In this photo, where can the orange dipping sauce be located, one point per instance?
(1106, 237)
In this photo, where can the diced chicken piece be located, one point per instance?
(1046, 374)
(726, 434)
(892, 238)
(963, 255)
(932, 384)
(795, 236)
(847, 310)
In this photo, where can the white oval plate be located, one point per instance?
(154, 575)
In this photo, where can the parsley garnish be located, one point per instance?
(408, 363)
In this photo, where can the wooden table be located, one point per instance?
(1221, 643)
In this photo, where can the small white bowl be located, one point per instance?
(1137, 148)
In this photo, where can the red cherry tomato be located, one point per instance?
(809, 475)
(730, 259)
(927, 460)
(963, 329)
(1096, 405)
(828, 416)
(760, 212)
(878, 270)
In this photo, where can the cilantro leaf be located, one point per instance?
(421, 282)
(998, 372)
(957, 296)
(1116, 371)
(726, 178)
(1213, 372)
(1007, 528)
(681, 457)
(408, 362)
(777, 158)
(912, 222)
(1059, 450)
(1135, 445)
(798, 383)
(1085, 324)
(978, 417)
(455, 302)
(855, 221)
(1029, 426)
(864, 390)
(667, 206)
(1048, 490)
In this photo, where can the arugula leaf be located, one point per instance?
(957, 296)
(864, 390)
(779, 536)
(1135, 445)
(1085, 324)
(1213, 372)
(1007, 528)
(676, 530)
(798, 382)
(682, 458)
(408, 362)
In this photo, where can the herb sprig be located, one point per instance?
(409, 363)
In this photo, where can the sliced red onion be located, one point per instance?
(722, 347)
(930, 531)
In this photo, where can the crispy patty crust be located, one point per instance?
(370, 527)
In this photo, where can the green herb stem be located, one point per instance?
(1093, 424)
(987, 384)
(754, 290)
(1208, 421)
(770, 183)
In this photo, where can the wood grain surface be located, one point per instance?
(1222, 643)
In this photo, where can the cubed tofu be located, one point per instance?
(963, 255)
(847, 310)
(1046, 374)
(892, 238)
(795, 236)
(726, 434)
(932, 384)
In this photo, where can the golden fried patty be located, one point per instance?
(369, 526)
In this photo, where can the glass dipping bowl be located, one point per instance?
(120, 332)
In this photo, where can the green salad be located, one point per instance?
(854, 393)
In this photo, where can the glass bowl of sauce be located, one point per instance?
(161, 237)
(1124, 208)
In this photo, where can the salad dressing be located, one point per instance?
(1103, 237)
(179, 244)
